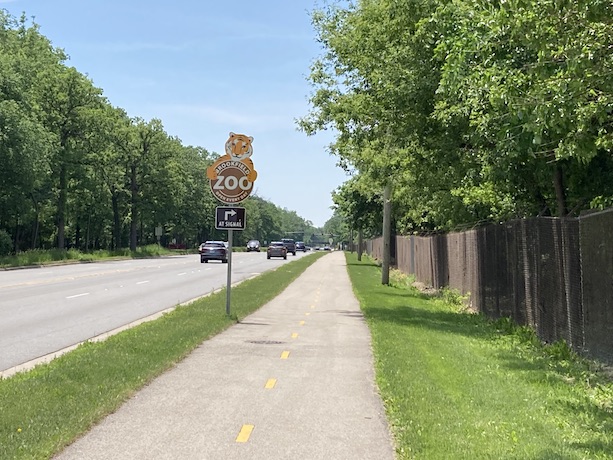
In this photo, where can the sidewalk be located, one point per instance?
(293, 380)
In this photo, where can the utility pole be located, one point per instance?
(387, 230)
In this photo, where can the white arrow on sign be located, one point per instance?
(229, 213)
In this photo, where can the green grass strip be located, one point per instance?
(58, 256)
(458, 386)
(45, 409)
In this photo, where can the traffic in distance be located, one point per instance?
(218, 250)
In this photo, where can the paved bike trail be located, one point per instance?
(294, 380)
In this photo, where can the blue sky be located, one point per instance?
(205, 68)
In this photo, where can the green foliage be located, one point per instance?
(453, 297)
(400, 280)
(78, 172)
(42, 257)
(6, 244)
(476, 111)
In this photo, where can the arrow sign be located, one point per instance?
(227, 218)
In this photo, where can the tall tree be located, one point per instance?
(67, 98)
(25, 142)
(533, 81)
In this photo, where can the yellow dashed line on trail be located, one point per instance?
(312, 306)
(307, 314)
(245, 432)
(294, 335)
(302, 323)
(285, 355)
(270, 384)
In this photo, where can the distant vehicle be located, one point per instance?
(253, 245)
(213, 250)
(327, 248)
(276, 249)
(290, 244)
(300, 246)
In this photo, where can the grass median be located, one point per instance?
(458, 386)
(43, 410)
(36, 257)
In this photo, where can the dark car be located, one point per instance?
(300, 246)
(253, 245)
(213, 250)
(290, 244)
(276, 249)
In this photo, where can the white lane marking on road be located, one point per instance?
(142, 282)
(181, 274)
(77, 295)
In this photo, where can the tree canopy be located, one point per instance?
(475, 111)
(79, 172)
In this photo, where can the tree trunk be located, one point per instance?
(360, 243)
(558, 183)
(36, 222)
(116, 221)
(61, 208)
(133, 208)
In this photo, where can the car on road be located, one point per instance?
(300, 246)
(253, 245)
(213, 250)
(290, 244)
(276, 249)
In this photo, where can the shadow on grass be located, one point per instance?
(363, 264)
(601, 422)
(539, 370)
(470, 325)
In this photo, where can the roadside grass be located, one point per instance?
(459, 386)
(45, 409)
(42, 257)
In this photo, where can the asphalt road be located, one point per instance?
(44, 310)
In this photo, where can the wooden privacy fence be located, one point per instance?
(554, 275)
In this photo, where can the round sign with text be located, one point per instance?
(231, 184)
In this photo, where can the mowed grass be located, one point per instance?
(458, 386)
(43, 410)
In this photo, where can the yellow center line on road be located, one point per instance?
(294, 335)
(243, 435)
(302, 323)
(307, 314)
(285, 355)
(270, 384)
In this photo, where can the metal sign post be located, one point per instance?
(231, 178)
(229, 278)
(229, 218)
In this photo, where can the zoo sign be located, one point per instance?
(232, 175)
